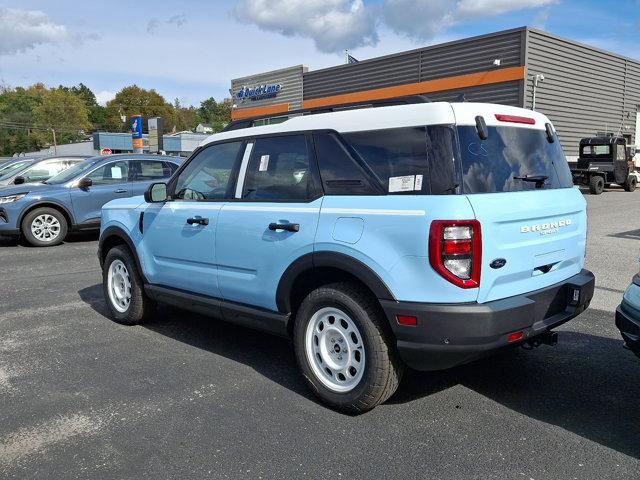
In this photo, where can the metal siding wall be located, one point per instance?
(585, 90)
(507, 93)
(289, 78)
(439, 61)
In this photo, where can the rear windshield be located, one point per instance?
(596, 151)
(511, 159)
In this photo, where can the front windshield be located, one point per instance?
(73, 172)
(8, 170)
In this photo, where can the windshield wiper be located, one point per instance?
(537, 179)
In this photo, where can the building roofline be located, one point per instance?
(428, 47)
(304, 68)
(584, 45)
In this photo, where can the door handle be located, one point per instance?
(289, 227)
(120, 190)
(198, 221)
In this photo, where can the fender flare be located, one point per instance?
(114, 231)
(336, 260)
(45, 204)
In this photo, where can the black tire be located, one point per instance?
(54, 234)
(596, 185)
(140, 306)
(631, 183)
(382, 366)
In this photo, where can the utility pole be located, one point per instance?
(55, 145)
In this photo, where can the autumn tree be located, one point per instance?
(16, 119)
(134, 100)
(63, 112)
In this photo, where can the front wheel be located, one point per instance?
(631, 183)
(596, 185)
(344, 350)
(123, 289)
(44, 227)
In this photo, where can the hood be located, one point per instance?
(32, 188)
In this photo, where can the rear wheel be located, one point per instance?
(123, 289)
(631, 183)
(596, 185)
(44, 227)
(344, 350)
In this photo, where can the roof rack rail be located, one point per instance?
(386, 102)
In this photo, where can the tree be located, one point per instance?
(97, 113)
(16, 119)
(217, 114)
(187, 118)
(134, 100)
(64, 112)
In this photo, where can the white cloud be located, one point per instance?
(22, 30)
(416, 19)
(489, 8)
(104, 96)
(333, 25)
(178, 20)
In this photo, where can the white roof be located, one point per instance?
(379, 118)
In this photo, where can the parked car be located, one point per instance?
(30, 170)
(628, 316)
(44, 212)
(14, 164)
(424, 235)
(603, 161)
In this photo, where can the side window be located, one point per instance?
(279, 169)
(442, 154)
(144, 170)
(208, 175)
(115, 172)
(45, 170)
(341, 175)
(622, 153)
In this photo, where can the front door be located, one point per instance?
(109, 181)
(272, 222)
(179, 235)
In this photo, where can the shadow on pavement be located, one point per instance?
(588, 385)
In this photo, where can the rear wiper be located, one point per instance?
(537, 179)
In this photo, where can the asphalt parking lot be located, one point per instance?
(189, 397)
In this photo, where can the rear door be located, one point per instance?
(109, 181)
(519, 186)
(272, 221)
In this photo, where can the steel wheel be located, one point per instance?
(119, 286)
(335, 350)
(45, 228)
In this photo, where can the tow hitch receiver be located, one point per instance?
(547, 338)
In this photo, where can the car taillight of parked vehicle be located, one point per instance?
(455, 251)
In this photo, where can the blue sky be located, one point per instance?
(191, 49)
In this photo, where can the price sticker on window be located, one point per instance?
(116, 172)
(264, 163)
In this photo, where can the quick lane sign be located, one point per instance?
(258, 93)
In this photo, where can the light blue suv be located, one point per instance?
(44, 212)
(423, 235)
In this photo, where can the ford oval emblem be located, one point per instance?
(498, 263)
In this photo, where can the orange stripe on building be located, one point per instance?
(441, 84)
(240, 113)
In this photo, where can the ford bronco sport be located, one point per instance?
(423, 235)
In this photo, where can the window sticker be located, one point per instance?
(418, 186)
(402, 184)
(264, 163)
(116, 172)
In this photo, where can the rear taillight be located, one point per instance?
(455, 251)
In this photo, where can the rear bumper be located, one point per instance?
(629, 329)
(447, 335)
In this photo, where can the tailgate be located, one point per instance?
(540, 233)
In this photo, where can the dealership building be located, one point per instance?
(585, 91)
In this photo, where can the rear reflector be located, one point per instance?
(515, 336)
(407, 320)
(515, 119)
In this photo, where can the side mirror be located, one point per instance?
(156, 193)
(19, 180)
(85, 183)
